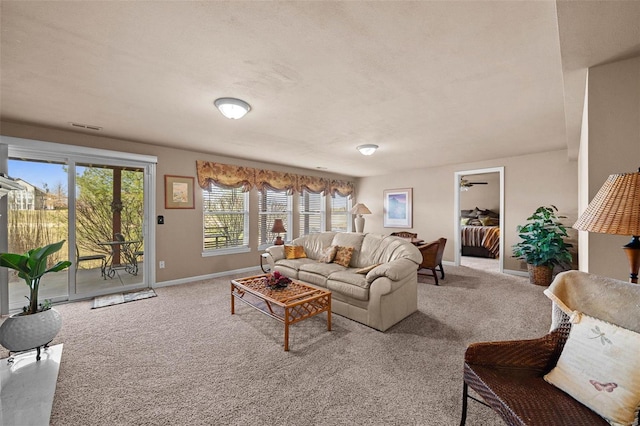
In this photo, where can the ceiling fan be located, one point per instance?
(466, 184)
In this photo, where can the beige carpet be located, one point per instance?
(182, 359)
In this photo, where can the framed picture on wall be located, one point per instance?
(178, 192)
(398, 211)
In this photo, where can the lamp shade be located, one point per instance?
(360, 209)
(278, 227)
(616, 207)
(232, 108)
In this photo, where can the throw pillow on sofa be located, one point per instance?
(328, 254)
(294, 252)
(343, 256)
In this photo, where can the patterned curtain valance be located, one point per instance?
(343, 188)
(313, 184)
(225, 175)
(230, 176)
(278, 181)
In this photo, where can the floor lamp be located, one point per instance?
(616, 210)
(360, 209)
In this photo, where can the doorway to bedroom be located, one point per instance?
(479, 206)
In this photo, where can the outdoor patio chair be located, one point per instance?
(101, 257)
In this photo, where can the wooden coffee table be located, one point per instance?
(296, 302)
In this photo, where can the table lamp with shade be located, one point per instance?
(360, 209)
(616, 210)
(278, 228)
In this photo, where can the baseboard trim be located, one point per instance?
(518, 273)
(251, 269)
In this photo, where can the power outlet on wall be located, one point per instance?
(161, 264)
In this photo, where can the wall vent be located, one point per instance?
(86, 126)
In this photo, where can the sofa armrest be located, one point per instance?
(276, 252)
(538, 354)
(395, 270)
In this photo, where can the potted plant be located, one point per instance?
(543, 246)
(37, 324)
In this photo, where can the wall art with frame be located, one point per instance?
(398, 209)
(178, 192)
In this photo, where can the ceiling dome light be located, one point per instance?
(367, 149)
(232, 108)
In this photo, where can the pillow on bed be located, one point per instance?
(465, 213)
(464, 221)
(489, 213)
(488, 221)
(474, 222)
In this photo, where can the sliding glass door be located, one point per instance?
(97, 201)
(109, 224)
(37, 216)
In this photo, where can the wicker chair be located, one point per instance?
(404, 234)
(432, 258)
(509, 377)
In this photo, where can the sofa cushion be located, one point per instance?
(313, 278)
(350, 239)
(600, 367)
(347, 289)
(328, 254)
(351, 277)
(314, 244)
(295, 263)
(325, 269)
(343, 256)
(294, 252)
(378, 248)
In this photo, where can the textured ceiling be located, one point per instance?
(431, 83)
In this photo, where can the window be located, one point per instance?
(312, 213)
(226, 218)
(272, 205)
(340, 216)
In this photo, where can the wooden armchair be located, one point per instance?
(404, 234)
(432, 258)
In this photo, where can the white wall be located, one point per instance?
(530, 182)
(482, 196)
(613, 147)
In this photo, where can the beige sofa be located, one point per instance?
(379, 298)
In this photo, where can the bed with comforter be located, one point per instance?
(480, 233)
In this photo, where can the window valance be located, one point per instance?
(230, 176)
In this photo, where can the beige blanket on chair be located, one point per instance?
(614, 301)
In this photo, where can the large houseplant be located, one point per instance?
(543, 246)
(37, 324)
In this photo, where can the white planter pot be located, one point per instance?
(23, 332)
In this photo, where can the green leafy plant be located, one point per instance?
(31, 266)
(543, 239)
